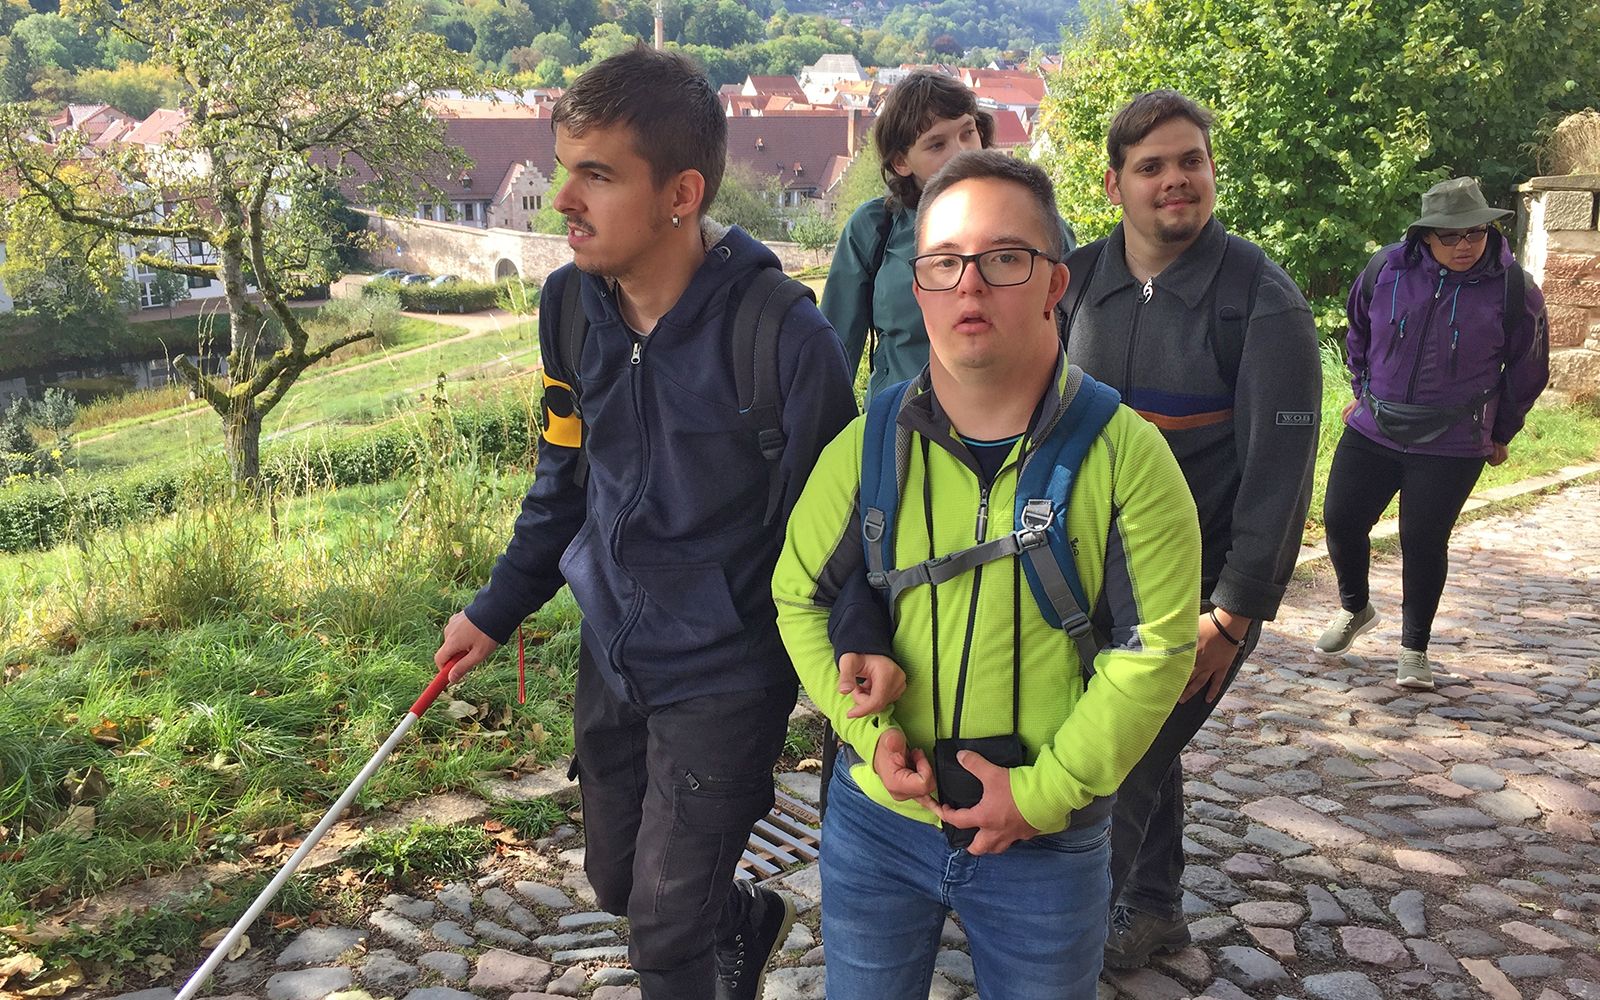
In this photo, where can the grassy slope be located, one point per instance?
(381, 385)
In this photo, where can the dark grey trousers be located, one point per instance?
(670, 794)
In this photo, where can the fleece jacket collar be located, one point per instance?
(1188, 277)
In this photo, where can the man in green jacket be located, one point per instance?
(977, 660)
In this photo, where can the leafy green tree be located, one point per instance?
(12, 11)
(63, 269)
(750, 201)
(547, 219)
(862, 182)
(136, 88)
(814, 232)
(722, 24)
(275, 107)
(457, 31)
(168, 288)
(606, 40)
(53, 40)
(557, 46)
(16, 74)
(500, 26)
(1331, 118)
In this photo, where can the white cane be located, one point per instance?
(218, 953)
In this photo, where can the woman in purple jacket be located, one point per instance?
(1448, 351)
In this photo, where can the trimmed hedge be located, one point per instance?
(38, 515)
(456, 297)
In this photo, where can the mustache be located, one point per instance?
(579, 224)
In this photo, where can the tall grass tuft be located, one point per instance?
(210, 560)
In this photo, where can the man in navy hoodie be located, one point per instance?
(684, 689)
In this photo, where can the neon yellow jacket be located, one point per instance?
(1137, 543)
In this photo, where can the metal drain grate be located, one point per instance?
(787, 838)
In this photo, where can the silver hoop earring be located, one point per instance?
(676, 221)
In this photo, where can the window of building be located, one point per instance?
(469, 211)
(197, 248)
(532, 202)
(196, 281)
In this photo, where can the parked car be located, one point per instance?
(414, 279)
(444, 279)
(390, 274)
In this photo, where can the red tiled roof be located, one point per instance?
(787, 141)
(1001, 79)
(1007, 96)
(494, 142)
(785, 85)
(160, 127)
(1009, 130)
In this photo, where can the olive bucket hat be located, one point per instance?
(1456, 204)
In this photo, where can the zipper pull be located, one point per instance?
(1148, 289)
(983, 514)
(637, 351)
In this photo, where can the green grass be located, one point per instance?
(421, 850)
(202, 679)
(334, 398)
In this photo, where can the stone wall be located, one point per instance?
(1559, 244)
(489, 254)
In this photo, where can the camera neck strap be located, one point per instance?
(972, 616)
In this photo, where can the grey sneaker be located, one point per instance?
(1344, 628)
(1414, 672)
(1136, 935)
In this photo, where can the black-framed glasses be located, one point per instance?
(999, 268)
(1450, 239)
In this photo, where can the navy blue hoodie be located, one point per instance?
(665, 550)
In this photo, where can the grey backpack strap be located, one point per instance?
(948, 567)
(1042, 559)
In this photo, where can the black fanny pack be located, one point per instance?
(1414, 423)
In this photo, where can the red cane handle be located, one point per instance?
(434, 687)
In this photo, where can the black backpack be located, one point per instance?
(1238, 277)
(757, 315)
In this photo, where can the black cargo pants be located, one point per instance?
(670, 794)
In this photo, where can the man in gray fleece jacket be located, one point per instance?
(1236, 389)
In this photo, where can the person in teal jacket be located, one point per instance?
(926, 119)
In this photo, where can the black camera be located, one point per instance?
(959, 788)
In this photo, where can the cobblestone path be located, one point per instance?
(1346, 839)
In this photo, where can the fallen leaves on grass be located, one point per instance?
(56, 981)
(19, 966)
(217, 936)
(41, 934)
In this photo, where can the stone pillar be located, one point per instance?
(1559, 244)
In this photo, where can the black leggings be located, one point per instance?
(1364, 478)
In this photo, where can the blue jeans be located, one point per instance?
(1035, 915)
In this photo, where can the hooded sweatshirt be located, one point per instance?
(1437, 337)
(665, 549)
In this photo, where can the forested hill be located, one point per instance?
(545, 43)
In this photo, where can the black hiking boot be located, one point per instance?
(742, 957)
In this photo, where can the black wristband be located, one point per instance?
(1237, 643)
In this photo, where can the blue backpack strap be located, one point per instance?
(880, 488)
(1043, 493)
